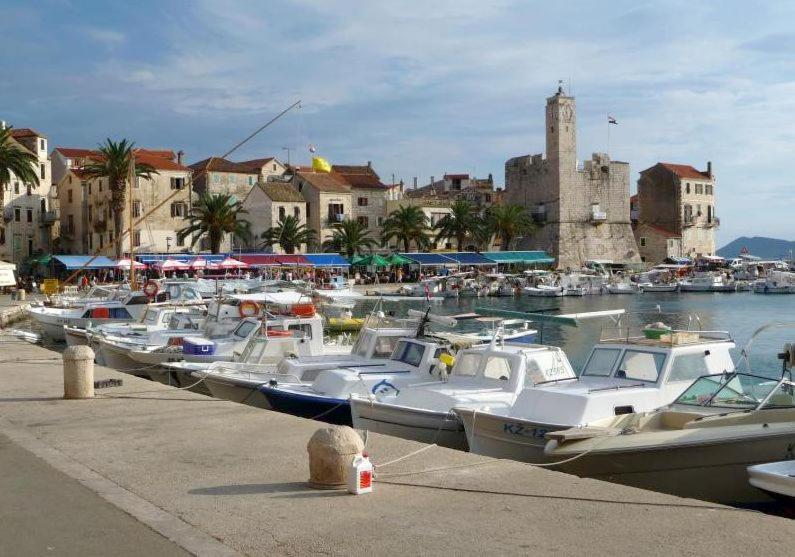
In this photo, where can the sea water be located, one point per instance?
(739, 313)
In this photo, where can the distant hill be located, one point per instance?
(766, 248)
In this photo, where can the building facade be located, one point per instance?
(434, 209)
(217, 175)
(29, 210)
(266, 204)
(679, 200)
(87, 216)
(583, 212)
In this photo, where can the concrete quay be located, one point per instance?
(217, 478)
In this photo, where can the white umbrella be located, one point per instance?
(171, 265)
(230, 263)
(125, 264)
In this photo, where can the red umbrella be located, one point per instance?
(230, 263)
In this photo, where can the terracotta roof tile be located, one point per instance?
(280, 191)
(685, 171)
(71, 153)
(158, 162)
(217, 164)
(256, 164)
(25, 132)
(325, 181)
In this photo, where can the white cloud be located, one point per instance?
(107, 37)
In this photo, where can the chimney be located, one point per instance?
(433, 179)
(369, 164)
(180, 154)
(491, 180)
(709, 168)
(415, 182)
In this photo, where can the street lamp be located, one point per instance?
(168, 243)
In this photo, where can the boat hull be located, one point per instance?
(425, 426)
(712, 470)
(76, 337)
(324, 409)
(243, 393)
(118, 357)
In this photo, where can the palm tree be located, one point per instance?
(349, 238)
(508, 222)
(114, 164)
(213, 216)
(463, 221)
(289, 233)
(406, 224)
(16, 160)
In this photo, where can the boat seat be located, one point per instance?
(676, 420)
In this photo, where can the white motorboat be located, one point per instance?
(482, 377)
(52, 320)
(240, 380)
(658, 287)
(775, 478)
(706, 282)
(326, 398)
(776, 282)
(622, 287)
(543, 291)
(631, 374)
(700, 446)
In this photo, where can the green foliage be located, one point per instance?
(213, 216)
(461, 223)
(16, 160)
(349, 238)
(509, 222)
(406, 224)
(289, 233)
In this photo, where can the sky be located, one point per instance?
(421, 88)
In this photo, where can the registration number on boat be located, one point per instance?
(524, 431)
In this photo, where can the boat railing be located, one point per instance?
(651, 336)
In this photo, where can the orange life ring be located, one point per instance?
(151, 288)
(303, 310)
(248, 308)
(279, 333)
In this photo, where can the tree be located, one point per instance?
(406, 224)
(508, 222)
(16, 160)
(349, 238)
(463, 221)
(289, 233)
(114, 164)
(213, 216)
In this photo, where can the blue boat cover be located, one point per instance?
(429, 258)
(469, 258)
(79, 261)
(326, 260)
(519, 256)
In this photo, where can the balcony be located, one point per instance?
(48, 218)
(713, 223)
(689, 220)
(335, 218)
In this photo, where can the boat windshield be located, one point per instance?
(409, 353)
(640, 365)
(733, 390)
(601, 362)
(150, 317)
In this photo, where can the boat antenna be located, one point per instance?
(423, 321)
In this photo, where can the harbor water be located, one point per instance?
(739, 313)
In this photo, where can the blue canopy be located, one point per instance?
(79, 261)
(519, 256)
(326, 260)
(183, 257)
(469, 258)
(429, 258)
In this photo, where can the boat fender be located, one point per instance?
(248, 308)
(151, 288)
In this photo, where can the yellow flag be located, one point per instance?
(319, 164)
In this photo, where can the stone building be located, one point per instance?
(479, 191)
(218, 175)
(29, 210)
(369, 196)
(582, 212)
(267, 203)
(678, 202)
(87, 218)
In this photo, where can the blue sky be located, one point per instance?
(421, 88)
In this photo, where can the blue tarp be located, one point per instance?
(326, 260)
(429, 258)
(79, 261)
(519, 256)
(469, 258)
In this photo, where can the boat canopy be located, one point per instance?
(469, 258)
(85, 262)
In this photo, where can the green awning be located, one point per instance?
(531, 257)
(397, 259)
(43, 259)
(371, 260)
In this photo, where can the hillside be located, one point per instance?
(766, 248)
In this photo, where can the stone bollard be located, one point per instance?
(331, 451)
(21, 295)
(78, 372)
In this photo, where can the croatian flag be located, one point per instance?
(611, 120)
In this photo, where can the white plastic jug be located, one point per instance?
(360, 475)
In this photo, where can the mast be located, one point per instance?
(131, 181)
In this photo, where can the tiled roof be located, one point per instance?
(217, 164)
(354, 169)
(256, 164)
(25, 132)
(685, 171)
(325, 181)
(364, 181)
(71, 153)
(158, 161)
(280, 191)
